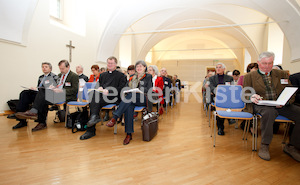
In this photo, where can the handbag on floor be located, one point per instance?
(149, 125)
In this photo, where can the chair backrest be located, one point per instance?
(229, 97)
(86, 87)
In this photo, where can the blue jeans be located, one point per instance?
(127, 108)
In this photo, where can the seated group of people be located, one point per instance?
(268, 82)
(146, 80)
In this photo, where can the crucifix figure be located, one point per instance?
(70, 48)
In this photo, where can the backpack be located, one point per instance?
(77, 121)
(13, 104)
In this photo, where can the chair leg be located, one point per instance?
(215, 125)
(101, 112)
(244, 132)
(286, 131)
(248, 126)
(255, 134)
(66, 115)
(209, 114)
(115, 128)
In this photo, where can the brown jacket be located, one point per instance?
(255, 80)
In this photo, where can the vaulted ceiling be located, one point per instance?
(219, 24)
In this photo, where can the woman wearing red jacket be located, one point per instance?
(158, 82)
(96, 74)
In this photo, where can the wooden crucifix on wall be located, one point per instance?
(70, 50)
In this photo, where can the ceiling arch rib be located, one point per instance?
(189, 18)
(119, 23)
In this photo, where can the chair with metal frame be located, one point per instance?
(82, 101)
(280, 119)
(229, 105)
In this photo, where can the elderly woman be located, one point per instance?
(158, 83)
(143, 82)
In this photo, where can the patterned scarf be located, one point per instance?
(134, 81)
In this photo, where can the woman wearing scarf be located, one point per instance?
(143, 82)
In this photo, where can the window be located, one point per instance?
(56, 9)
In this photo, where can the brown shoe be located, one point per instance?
(127, 139)
(26, 115)
(39, 126)
(292, 151)
(111, 122)
(264, 152)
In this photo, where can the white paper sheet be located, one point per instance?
(285, 95)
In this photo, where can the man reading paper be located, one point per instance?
(269, 83)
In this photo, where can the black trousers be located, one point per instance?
(98, 101)
(41, 105)
(26, 98)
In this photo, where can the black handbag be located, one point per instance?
(149, 125)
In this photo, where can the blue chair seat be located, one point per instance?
(279, 117)
(109, 106)
(76, 103)
(139, 108)
(282, 118)
(60, 103)
(235, 115)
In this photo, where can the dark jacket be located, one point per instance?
(295, 80)
(178, 83)
(167, 83)
(49, 80)
(84, 77)
(112, 79)
(214, 81)
(71, 86)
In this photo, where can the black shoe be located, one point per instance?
(221, 132)
(93, 120)
(90, 132)
(20, 125)
(12, 116)
(106, 117)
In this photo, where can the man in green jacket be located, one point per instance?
(268, 83)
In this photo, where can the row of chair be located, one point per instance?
(229, 105)
(83, 101)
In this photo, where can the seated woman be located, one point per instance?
(158, 84)
(143, 82)
(96, 74)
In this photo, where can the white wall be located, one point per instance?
(21, 65)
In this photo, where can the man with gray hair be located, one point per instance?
(27, 96)
(214, 81)
(268, 84)
(79, 71)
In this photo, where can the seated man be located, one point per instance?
(27, 96)
(214, 81)
(79, 71)
(268, 83)
(112, 79)
(68, 81)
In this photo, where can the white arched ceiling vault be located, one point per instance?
(143, 16)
